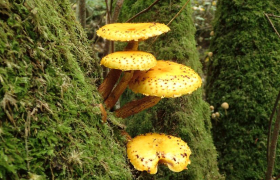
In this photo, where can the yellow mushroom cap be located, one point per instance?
(166, 79)
(131, 31)
(225, 105)
(129, 60)
(146, 151)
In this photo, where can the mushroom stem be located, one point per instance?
(132, 46)
(109, 82)
(118, 90)
(137, 106)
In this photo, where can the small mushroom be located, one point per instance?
(225, 106)
(166, 79)
(147, 151)
(213, 116)
(212, 108)
(217, 114)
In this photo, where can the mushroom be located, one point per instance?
(166, 79)
(146, 151)
(126, 61)
(212, 108)
(225, 106)
(131, 32)
(217, 114)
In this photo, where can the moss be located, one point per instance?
(244, 72)
(50, 123)
(187, 117)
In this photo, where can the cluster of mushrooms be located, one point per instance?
(216, 115)
(156, 79)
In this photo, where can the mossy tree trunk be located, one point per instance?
(245, 72)
(50, 121)
(187, 117)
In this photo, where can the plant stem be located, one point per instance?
(178, 12)
(272, 15)
(27, 130)
(273, 145)
(270, 124)
(272, 25)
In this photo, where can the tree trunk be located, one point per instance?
(50, 119)
(244, 72)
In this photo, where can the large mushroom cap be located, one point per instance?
(146, 151)
(129, 60)
(131, 31)
(166, 79)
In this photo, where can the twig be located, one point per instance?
(117, 10)
(273, 145)
(108, 45)
(272, 25)
(178, 12)
(145, 10)
(27, 130)
(51, 170)
(172, 20)
(270, 124)
(272, 15)
(108, 12)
